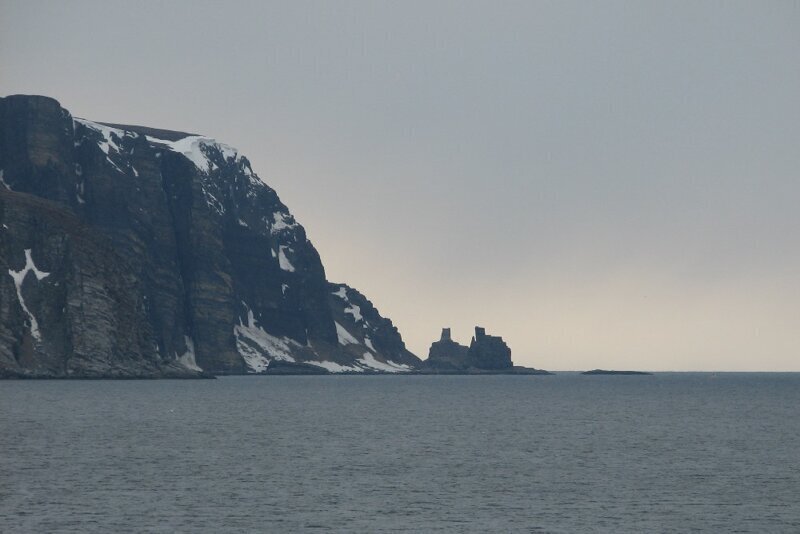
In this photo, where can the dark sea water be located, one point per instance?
(566, 453)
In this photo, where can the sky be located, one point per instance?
(604, 184)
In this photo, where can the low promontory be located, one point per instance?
(606, 372)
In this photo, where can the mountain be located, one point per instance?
(128, 251)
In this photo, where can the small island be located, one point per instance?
(606, 372)
(485, 355)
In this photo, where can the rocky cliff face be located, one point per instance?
(200, 261)
(365, 334)
(489, 352)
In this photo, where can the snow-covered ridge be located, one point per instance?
(111, 139)
(108, 134)
(209, 157)
(19, 278)
(200, 150)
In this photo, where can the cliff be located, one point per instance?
(165, 255)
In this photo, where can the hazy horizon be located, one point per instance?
(605, 185)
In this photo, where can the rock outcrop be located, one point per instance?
(446, 354)
(165, 255)
(488, 352)
(485, 355)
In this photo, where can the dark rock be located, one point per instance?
(281, 367)
(446, 354)
(485, 355)
(605, 372)
(488, 352)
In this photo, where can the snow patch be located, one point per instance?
(283, 261)
(257, 347)
(79, 193)
(108, 134)
(355, 311)
(345, 338)
(187, 358)
(248, 171)
(282, 221)
(368, 343)
(3, 182)
(389, 366)
(334, 367)
(284, 287)
(242, 223)
(19, 277)
(213, 202)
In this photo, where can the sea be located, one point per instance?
(671, 452)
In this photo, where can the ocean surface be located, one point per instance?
(567, 453)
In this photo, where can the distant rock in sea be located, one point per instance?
(605, 372)
(485, 355)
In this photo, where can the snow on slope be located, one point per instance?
(354, 309)
(3, 182)
(368, 360)
(283, 261)
(257, 347)
(345, 337)
(111, 139)
(187, 358)
(334, 367)
(19, 278)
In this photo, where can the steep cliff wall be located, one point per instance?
(220, 269)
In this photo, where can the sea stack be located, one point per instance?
(489, 352)
(446, 354)
(485, 353)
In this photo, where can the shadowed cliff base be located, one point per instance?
(621, 373)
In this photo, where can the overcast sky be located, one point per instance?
(604, 184)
